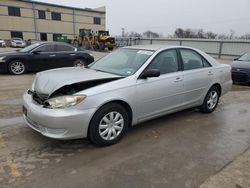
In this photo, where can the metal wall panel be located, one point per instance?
(208, 47)
(235, 48)
(216, 48)
(167, 42)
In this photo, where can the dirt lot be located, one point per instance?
(179, 150)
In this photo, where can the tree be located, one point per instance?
(151, 34)
(246, 36)
(179, 33)
(133, 34)
(211, 35)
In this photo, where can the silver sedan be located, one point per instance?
(126, 87)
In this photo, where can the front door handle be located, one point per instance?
(53, 55)
(72, 54)
(178, 79)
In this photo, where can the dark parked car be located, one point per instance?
(43, 56)
(241, 69)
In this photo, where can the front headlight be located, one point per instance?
(64, 101)
(2, 59)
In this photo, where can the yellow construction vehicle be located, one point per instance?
(90, 40)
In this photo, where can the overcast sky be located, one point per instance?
(164, 16)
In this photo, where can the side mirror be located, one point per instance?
(149, 73)
(36, 52)
(235, 59)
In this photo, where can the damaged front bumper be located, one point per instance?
(67, 123)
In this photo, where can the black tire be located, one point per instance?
(101, 46)
(95, 125)
(79, 63)
(208, 107)
(17, 67)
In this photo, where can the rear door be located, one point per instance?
(156, 96)
(198, 75)
(66, 55)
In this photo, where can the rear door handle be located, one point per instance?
(72, 54)
(178, 79)
(53, 55)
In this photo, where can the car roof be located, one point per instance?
(53, 42)
(153, 47)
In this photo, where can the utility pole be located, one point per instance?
(123, 32)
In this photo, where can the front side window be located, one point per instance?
(30, 47)
(166, 62)
(46, 48)
(192, 60)
(14, 11)
(64, 48)
(124, 62)
(56, 16)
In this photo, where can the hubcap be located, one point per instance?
(212, 100)
(17, 67)
(111, 126)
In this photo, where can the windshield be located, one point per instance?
(124, 62)
(29, 48)
(17, 39)
(245, 57)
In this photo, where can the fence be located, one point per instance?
(216, 48)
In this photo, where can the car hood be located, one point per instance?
(49, 81)
(241, 64)
(12, 53)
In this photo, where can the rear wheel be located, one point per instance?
(211, 100)
(79, 63)
(17, 67)
(108, 125)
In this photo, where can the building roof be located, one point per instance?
(64, 6)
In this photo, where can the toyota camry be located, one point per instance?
(126, 87)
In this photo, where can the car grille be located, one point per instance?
(239, 77)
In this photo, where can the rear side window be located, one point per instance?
(64, 48)
(192, 60)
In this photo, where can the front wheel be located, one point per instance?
(211, 100)
(17, 67)
(108, 125)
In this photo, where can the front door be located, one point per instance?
(43, 58)
(157, 96)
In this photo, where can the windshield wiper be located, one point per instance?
(107, 72)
